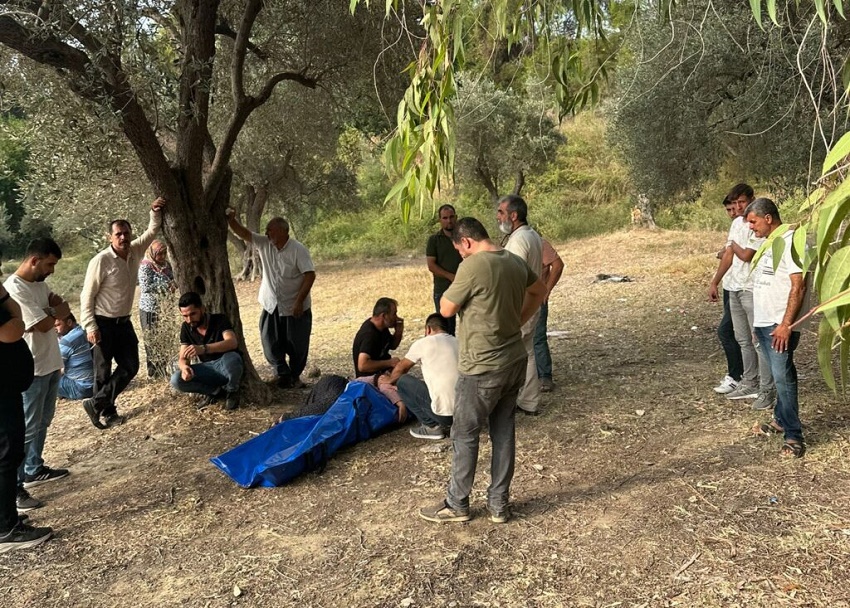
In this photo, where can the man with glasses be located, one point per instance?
(105, 305)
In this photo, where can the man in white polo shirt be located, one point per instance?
(286, 320)
(431, 401)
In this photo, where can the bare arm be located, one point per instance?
(400, 369)
(437, 270)
(448, 308)
(722, 268)
(398, 333)
(555, 273)
(237, 228)
(534, 296)
(303, 292)
(782, 333)
(742, 252)
(367, 365)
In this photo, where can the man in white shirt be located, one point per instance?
(524, 242)
(778, 294)
(40, 308)
(105, 305)
(288, 276)
(431, 401)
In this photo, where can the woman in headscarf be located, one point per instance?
(156, 284)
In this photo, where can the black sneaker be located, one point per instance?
(24, 502)
(43, 476)
(232, 401)
(88, 406)
(114, 420)
(24, 536)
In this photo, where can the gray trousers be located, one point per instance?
(756, 365)
(529, 394)
(489, 397)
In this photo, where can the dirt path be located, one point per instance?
(637, 487)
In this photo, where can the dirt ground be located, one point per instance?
(638, 486)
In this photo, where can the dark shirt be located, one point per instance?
(440, 246)
(216, 326)
(17, 368)
(372, 341)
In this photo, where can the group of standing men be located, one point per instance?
(761, 305)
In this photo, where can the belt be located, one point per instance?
(111, 320)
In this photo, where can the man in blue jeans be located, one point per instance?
(553, 267)
(40, 308)
(209, 339)
(778, 294)
(495, 293)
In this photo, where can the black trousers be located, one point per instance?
(284, 337)
(11, 457)
(118, 343)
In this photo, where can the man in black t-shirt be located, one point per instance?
(372, 346)
(211, 340)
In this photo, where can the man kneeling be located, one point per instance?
(432, 401)
(211, 339)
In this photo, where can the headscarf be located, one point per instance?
(150, 260)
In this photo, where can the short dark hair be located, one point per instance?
(762, 207)
(43, 248)
(444, 208)
(190, 298)
(279, 221)
(111, 224)
(516, 204)
(727, 201)
(437, 321)
(469, 228)
(740, 189)
(71, 318)
(383, 306)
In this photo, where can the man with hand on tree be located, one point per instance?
(105, 305)
(443, 259)
(40, 308)
(210, 339)
(288, 276)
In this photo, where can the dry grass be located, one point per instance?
(637, 487)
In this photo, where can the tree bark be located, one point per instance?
(642, 213)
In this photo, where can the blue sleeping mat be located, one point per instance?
(305, 444)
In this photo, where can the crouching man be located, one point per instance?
(211, 340)
(431, 401)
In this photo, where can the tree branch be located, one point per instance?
(240, 46)
(223, 29)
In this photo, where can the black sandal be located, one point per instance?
(792, 449)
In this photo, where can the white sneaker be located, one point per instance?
(727, 385)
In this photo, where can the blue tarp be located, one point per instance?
(304, 444)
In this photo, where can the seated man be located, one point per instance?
(432, 401)
(211, 339)
(77, 364)
(371, 350)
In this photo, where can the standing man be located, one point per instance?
(16, 375)
(288, 276)
(553, 267)
(495, 294)
(210, 339)
(105, 305)
(726, 331)
(778, 299)
(443, 259)
(431, 401)
(40, 308)
(77, 366)
(524, 242)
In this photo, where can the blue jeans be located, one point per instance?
(212, 376)
(39, 408)
(786, 412)
(726, 334)
(489, 398)
(414, 393)
(542, 356)
(73, 389)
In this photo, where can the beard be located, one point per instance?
(505, 227)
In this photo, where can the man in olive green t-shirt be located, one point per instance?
(494, 293)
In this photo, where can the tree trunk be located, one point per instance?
(642, 213)
(254, 205)
(519, 182)
(197, 235)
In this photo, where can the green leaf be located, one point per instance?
(838, 152)
(839, 7)
(812, 199)
(771, 11)
(820, 7)
(843, 360)
(826, 335)
(836, 275)
(778, 248)
(836, 303)
(770, 241)
(755, 6)
(798, 247)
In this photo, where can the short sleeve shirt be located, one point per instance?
(739, 277)
(216, 326)
(283, 273)
(528, 245)
(441, 247)
(489, 288)
(772, 288)
(33, 298)
(438, 354)
(372, 341)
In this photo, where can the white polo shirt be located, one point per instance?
(438, 354)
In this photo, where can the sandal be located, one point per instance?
(790, 449)
(765, 428)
